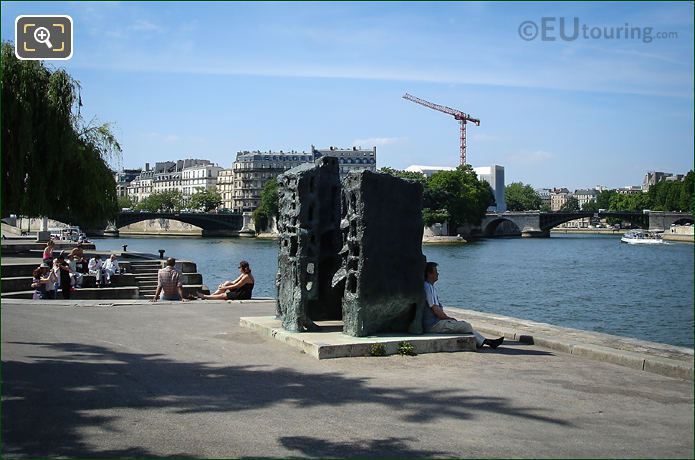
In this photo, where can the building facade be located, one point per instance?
(352, 159)
(165, 176)
(494, 175)
(252, 170)
(225, 187)
(629, 190)
(544, 194)
(200, 177)
(123, 179)
(558, 197)
(585, 196)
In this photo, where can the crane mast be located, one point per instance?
(463, 119)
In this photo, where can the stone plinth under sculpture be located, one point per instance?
(350, 251)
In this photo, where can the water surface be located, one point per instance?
(590, 282)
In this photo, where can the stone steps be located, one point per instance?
(16, 283)
(15, 270)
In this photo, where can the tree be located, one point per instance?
(632, 202)
(520, 197)
(686, 199)
(205, 200)
(409, 175)
(167, 201)
(124, 202)
(464, 197)
(590, 206)
(571, 205)
(269, 205)
(603, 199)
(53, 162)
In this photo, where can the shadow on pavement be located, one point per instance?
(373, 448)
(47, 402)
(516, 348)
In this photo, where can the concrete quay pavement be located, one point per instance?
(135, 379)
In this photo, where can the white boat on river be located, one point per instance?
(642, 237)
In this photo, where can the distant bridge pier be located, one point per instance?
(535, 234)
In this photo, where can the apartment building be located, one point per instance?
(164, 176)
(252, 170)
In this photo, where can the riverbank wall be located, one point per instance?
(683, 233)
(589, 231)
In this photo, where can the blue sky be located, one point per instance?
(206, 80)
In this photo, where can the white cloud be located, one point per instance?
(377, 141)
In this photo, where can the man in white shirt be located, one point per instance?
(110, 267)
(434, 320)
(95, 268)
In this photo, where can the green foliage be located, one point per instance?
(431, 217)
(53, 163)
(124, 202)
(591, 206)
(406, 349)
(167, 201)
(603, 199)
(520, 197)
(456, 196)
(672, 195)
(205, 200)
(409, 175)
(260, 220)
(461, 194)
(377, 349)
(269, 198)
(664, 196)
(571, 205)
(632, 202)
(268, 207)
(545, 207)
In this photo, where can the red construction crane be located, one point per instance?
(463, 118)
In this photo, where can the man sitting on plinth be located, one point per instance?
(434, 320)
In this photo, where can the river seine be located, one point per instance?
(590, 282)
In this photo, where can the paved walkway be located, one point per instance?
(128, 378)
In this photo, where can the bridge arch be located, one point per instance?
(684, 220)
(161, 225)
(510, 227)
(552, 220)
(212, 224)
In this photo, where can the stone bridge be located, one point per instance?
(538, 224)
(212, 224)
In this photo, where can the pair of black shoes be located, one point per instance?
(492, 343)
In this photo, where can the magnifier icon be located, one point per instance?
(42, 35)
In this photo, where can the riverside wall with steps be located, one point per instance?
(139, 281)
(145, 273)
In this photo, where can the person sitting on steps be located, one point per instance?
(169, 283)
(434, 320)
(239, 289)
